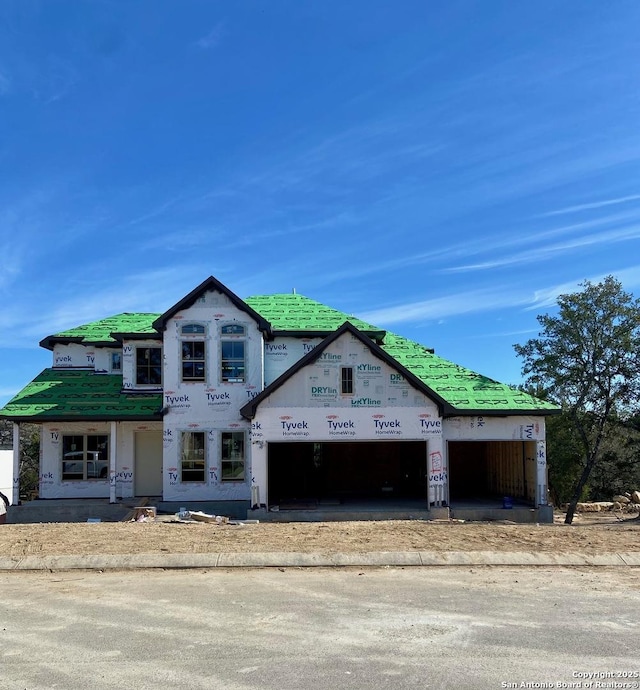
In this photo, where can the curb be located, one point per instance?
(316, 560)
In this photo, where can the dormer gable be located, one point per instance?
(322, 351)
(211, 284)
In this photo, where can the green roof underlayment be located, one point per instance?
(59, 395)
(292, 313)
(462, 388)
(82, 394)
(99, 332)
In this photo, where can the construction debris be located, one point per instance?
(198, 516)
(143, 514)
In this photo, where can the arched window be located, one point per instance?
(233, 329)
(192, 328)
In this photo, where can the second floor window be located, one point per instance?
(346, 380)
(149, 366)
(232, 362)
(193, 353)
(193, 360)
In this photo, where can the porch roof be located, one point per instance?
(58, 395)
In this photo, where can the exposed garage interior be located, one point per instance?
(489, 470)
(307, 473)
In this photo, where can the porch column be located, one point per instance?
(16, 464)
(541, 473)
(112, 461)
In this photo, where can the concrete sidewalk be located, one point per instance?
(311, 560)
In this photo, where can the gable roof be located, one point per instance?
(249, 410)
(63, 395)
(210, 283)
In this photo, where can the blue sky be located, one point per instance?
(442, 169)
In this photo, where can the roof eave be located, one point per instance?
(120, 337)
(155, 417)
(377, 335)
(483, 412)
(51, 340)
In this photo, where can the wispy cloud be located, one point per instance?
(506, 240)
(547, 297)
(211, 39)
(548, 251)
(472, 301)
(77, 303)
(591, 206)
(489, 299)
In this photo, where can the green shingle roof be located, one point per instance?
(100, 331)
(291, 312)
(60, 395)
(77, 394)
(462, 388)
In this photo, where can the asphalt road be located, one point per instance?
(320, 628)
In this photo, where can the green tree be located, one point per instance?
(29, 453)
(588, 358)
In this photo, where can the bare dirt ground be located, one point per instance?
(590, 534)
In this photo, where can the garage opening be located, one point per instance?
(483, 470)
(311, 473)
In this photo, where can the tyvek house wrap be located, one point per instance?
(310, 406)
(212, 406)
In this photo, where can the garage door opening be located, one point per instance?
(335, 473)
(490, 470)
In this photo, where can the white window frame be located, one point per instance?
(233, 338)
(135, 366)
(94, 462)
(241, 459)
(198, 335)
(113, 369)
(200, 457)
(346, 380)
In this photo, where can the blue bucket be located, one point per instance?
(507, 502)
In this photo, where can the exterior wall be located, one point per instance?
(81, 356)
(102, 359)
(514, 428)
(282, 353)
(376, 384)
(129, 363)
(310, 407)
(211, 406)
(51, 483)
(73, 355)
